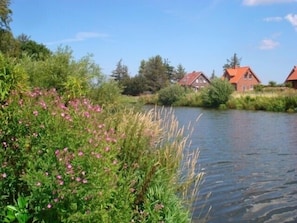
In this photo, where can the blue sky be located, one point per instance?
(199, 34)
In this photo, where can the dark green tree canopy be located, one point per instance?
(179, 73)
(233, 62)
(155, 73)
(121, 72)
(33, 49)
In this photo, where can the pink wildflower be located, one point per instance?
(69, 166)
(107, 149)
(61, 182)
(4, 175)
(43, 105)
(78, 179)
(85, 181)
(87, 114)
(80, 153)
(59, 177)
(49, 206)
(38, 184)
(35, 113)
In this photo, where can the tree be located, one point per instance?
(134, 85)
(9, 46)
(179, 73)
(33, 49)
(272, 84)
(155, 73)
(213, 75)
(233, 62)
(169, 69)
(217, 93)
(121, 72)
(5, 15)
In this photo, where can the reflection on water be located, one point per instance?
(250, 164)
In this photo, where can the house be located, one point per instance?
(195, 80)
(292, 77)
(242, 78)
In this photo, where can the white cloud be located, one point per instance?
(292, 18)
(265, 2)
(80, 36)
(273, 19)
(268, 44)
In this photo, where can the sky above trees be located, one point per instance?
(200, 35)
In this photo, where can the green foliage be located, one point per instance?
(107, 94)
(33, 49)
(272, 84)
(73, 162)
(232, 62)
(218, 92)
(12, 77)
(134, 85)
(155, 73)
(9, 46)
(5, 15)
(258, 88)
(18, 212)
(285, 103)
(121, 72)
(171, 94)
(191, 99)
(60, 71)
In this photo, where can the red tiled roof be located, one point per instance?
(236, 73)
(188, 79)
(293, 75)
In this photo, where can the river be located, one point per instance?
(250, 163)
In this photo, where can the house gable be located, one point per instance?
(242, 78)
(195, 80)
(292, 77)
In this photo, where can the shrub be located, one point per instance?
(12, 77)
(170, 94)
(218, 92)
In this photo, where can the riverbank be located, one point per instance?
(270, 99)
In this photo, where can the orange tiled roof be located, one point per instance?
(188, 79)
(293, 75)
(237, 73)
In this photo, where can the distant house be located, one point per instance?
(292, 77)
(242, 78)
(194, 80)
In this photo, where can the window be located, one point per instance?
(245, 76)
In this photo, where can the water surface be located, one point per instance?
(250, 164)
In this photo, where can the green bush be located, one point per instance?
(12, 77)
(171, 94)
(217, 93)
(73, 162)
